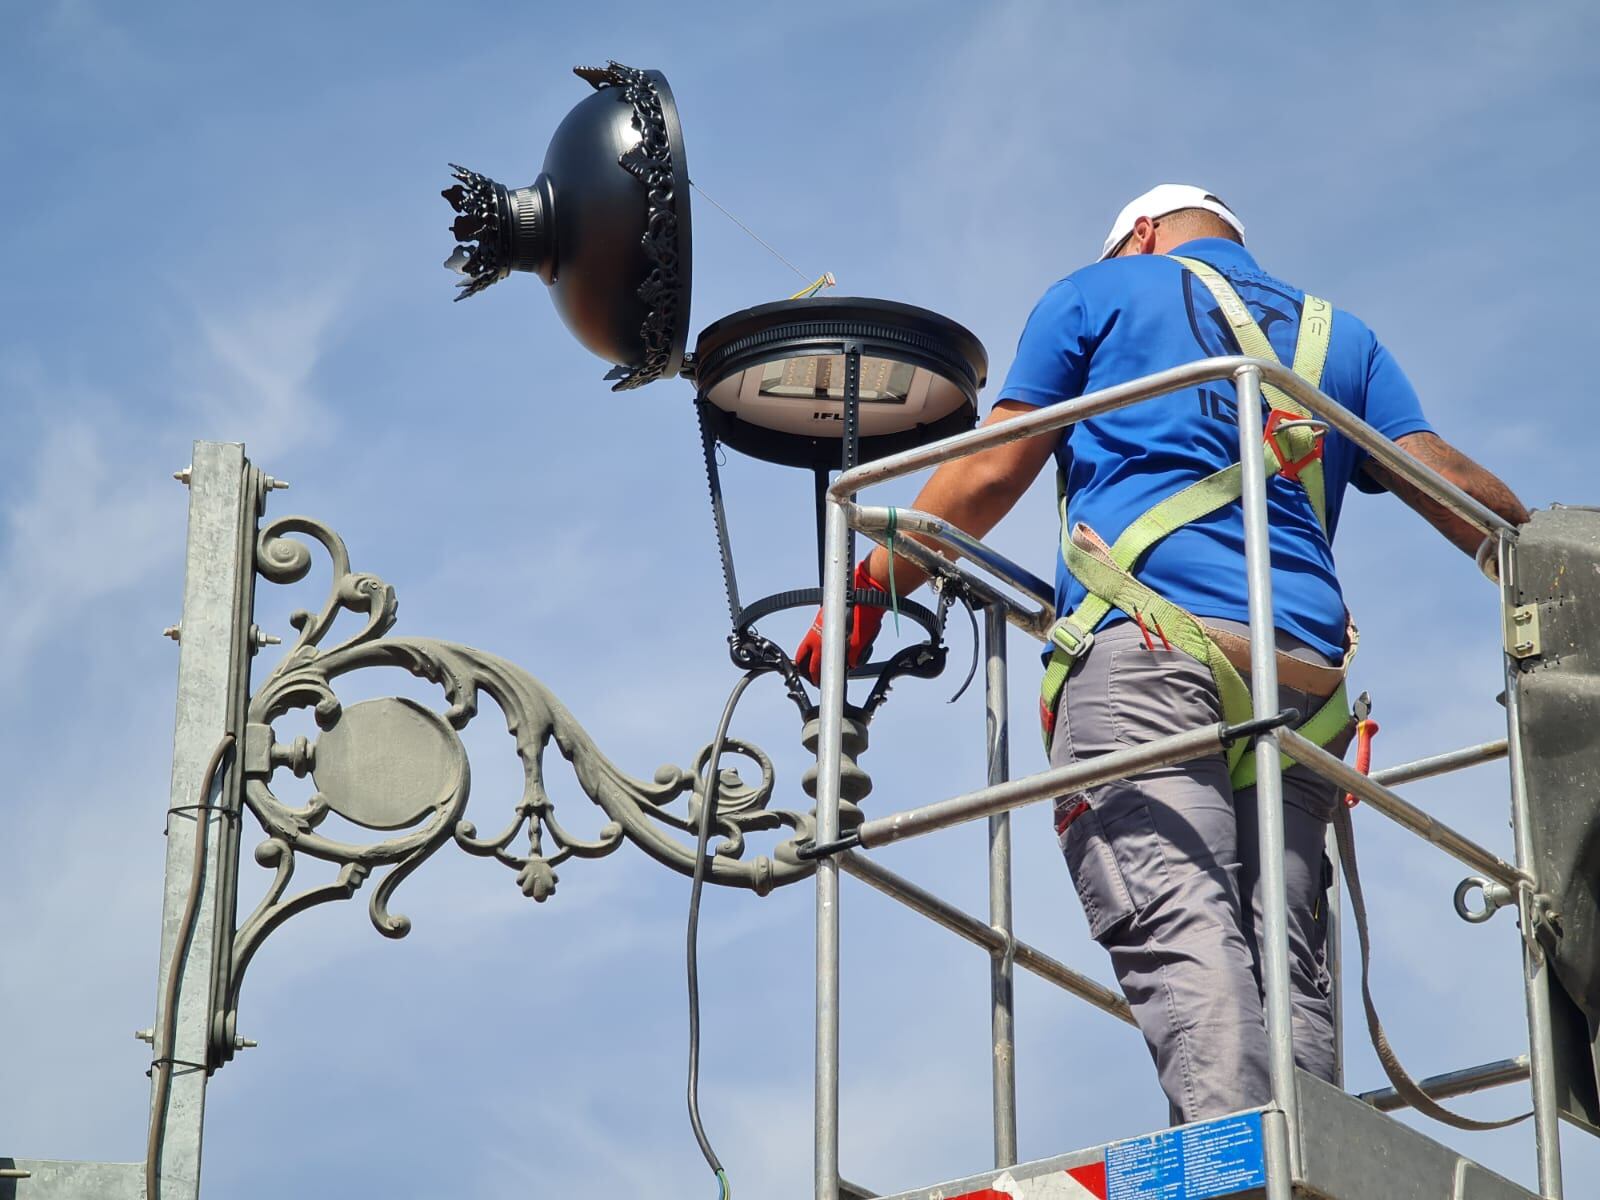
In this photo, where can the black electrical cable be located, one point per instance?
(708, 816)
(163, 1065)
(972, 615)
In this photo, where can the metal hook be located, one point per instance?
(1495, 897)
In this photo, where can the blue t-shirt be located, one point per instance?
(1127, 317)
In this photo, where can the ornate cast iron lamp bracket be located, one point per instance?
(394, 765)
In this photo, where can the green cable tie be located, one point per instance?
(894, 598)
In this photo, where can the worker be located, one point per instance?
(1153, 635)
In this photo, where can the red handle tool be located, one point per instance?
(1366, 730)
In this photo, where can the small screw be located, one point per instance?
(259, 638)
(173, 632)
(1523, 648)
(244, 1043)
(1523, 617)
(277, 485)
(145, 1035)
(184, 475)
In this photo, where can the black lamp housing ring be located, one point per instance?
(833, 326)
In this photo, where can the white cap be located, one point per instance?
(1160, 200)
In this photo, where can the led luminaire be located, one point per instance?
(774, 377)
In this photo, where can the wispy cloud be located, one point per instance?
(80, 530)
(90, 517)
(249, 373)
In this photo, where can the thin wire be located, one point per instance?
(169, 998)
(770, 248)
(708, 812)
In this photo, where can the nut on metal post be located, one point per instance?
(275, 485)
(175, 632)
(244, 1043)
(184, 475)
(260, 638)
(148, 1036)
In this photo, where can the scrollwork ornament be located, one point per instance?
(397, 766)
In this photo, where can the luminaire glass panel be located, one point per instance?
(821, 377)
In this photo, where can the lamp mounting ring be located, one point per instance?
(811, 597)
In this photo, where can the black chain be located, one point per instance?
(719, 515)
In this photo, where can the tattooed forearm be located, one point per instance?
(1433, 451)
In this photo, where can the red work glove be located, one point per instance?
(865, 621)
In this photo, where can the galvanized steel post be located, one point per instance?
(213, 682)
(1282, 1128)
(1001, 971)
(831, 715)
(1536, 964)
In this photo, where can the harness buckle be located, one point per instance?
(1070, 640)
(1279, 418)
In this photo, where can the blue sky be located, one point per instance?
(223, 222)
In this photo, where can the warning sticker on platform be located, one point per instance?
(1195, 1162)
(1074, 1183)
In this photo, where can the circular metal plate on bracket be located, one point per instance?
(388, 762)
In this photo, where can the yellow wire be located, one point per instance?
(826, 279)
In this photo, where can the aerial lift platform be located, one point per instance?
(1313, 1140)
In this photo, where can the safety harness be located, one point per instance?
(1107, 572)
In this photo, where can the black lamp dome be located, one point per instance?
(606, 225)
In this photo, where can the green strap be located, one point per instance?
(1195, 501)
(1185, 632)
(1310, 355)
(1311, 344)
(1180, 627)
(1327, 723)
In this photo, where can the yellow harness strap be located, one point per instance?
(1107, 573)
(1310, 355)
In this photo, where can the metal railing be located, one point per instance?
(1012, 595)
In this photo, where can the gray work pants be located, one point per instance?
(1166, 866)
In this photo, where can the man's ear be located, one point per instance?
(1143, 238)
